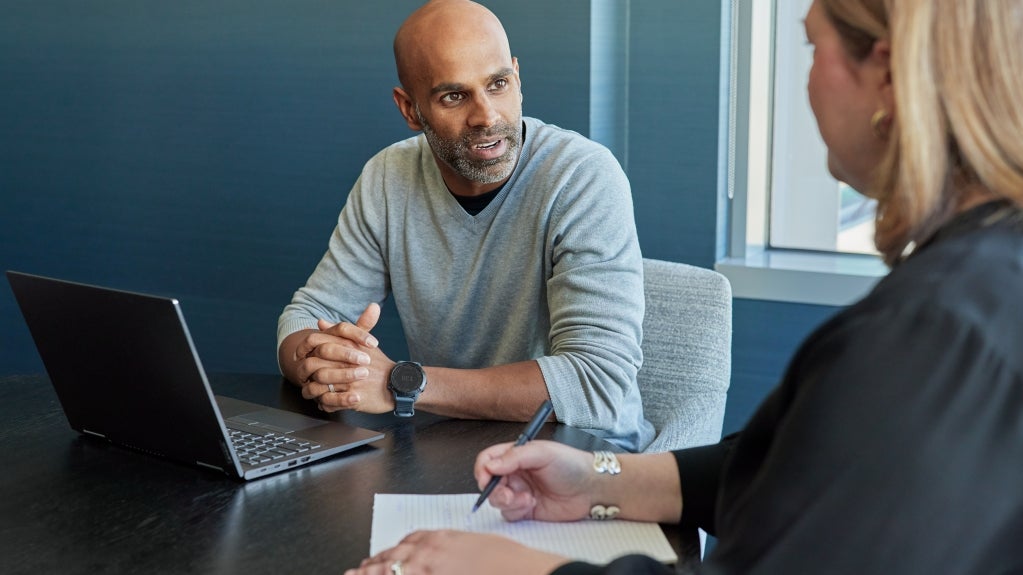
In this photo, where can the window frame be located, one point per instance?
(755, 269)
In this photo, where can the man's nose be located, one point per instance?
(484, 113)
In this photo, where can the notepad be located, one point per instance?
(599, 542)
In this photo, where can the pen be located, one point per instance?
(531, 430)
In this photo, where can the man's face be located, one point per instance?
(468, 101)
(484, 154)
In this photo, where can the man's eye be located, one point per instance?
(501, 84)
(452, 97)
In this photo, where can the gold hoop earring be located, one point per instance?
(879, 123)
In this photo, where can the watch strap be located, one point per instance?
(404, 406)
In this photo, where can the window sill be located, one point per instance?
(802, 277)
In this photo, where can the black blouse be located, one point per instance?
(894, 443)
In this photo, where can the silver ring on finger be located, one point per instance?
(396, 568)
(330, 387)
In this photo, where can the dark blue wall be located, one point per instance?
(202, 149)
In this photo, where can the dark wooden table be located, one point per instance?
(73, 504)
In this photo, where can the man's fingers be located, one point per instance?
(342, 353)
(323, 372)
(369, 318)
(331, 402)
(331, 345)
(350, 331)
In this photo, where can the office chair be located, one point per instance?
(687, 361)
(687, 353)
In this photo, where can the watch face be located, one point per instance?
(406, 377)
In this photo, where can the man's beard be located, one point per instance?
(455, 151)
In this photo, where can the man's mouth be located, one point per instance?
(489, 150)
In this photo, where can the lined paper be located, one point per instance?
(599, 542)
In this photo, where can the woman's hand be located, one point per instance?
(541, 480)
(457, 552)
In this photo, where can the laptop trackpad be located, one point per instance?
(277, 420)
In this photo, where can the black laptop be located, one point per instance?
(125, 369)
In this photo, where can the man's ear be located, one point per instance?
(406, 107)
(518, 79)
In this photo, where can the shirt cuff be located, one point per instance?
(699, 471)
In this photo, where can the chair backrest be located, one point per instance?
(687, 353)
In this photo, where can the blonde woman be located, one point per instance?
(894, 443)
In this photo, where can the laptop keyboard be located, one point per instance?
(256, 447)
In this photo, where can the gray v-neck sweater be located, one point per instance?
(551, 270)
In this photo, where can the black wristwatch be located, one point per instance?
(407, 381)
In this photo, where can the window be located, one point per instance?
(800, 183)
(796, 233)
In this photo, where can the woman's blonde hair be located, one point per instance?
(957, 75)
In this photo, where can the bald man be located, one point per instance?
(509, 246)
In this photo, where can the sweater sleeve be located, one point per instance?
(596, 304)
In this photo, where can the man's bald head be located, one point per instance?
(443, 30)
(460, 86)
